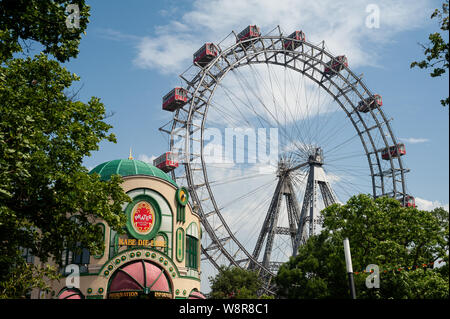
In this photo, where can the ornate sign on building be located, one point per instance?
(143, 217)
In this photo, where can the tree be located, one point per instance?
(234, 283)
(48, 201)
(437, 52)
(23, 22)
(381, 232)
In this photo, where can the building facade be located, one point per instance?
(157, 257)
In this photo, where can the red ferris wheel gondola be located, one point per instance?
(292, 45)
(205, 54)
(166, 162)
(336, 65)
(174, 99)
(250, 32)
(370, 103)
(393, 151)
(409, 201)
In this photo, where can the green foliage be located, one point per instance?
(26, 276)
(42, 21)
(44, 136)
(234, 283)
(48, 201)
(437, 51)
(381, 232)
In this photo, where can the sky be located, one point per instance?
(134, 52)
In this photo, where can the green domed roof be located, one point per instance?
(128, 167)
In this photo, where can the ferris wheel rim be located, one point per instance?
(203, 72)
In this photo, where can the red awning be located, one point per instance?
(70, 294)
(139, 276)
(196, 295)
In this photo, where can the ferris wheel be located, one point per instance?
(268, 130)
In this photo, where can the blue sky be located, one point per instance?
(133, 52)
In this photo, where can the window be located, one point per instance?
(102, 227)
(113, 240)
(173, 157)
(200, 51)
(81, 258)
(191, 252)
(27, 255)
(168, 95)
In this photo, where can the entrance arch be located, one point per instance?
(140, 279)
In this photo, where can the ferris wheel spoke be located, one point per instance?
(301, 145)
(245, 195)
(292, 139)
(339, 146)
(247, 104)
(236, 179)
(298, 115)
(249, 88)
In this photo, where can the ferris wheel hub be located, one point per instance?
(317, 157)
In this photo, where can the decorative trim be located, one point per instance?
(102, 225)
(180, 244)
(157, 222)
(166, 240)
(150, 254)
(182, 198)
(192, 230)
(169, 213)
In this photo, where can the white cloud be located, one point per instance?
(413, 140)
(146, 158)
(166, 53)
(424, 204)
(341, 24)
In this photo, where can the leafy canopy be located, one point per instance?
(23, 22)
(48, 201)
(380, 232)
(437, 51)
(234, 283)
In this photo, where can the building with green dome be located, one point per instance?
(159, 254)
(129, 167)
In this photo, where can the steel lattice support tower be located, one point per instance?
(309, 217)
(301, 223)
